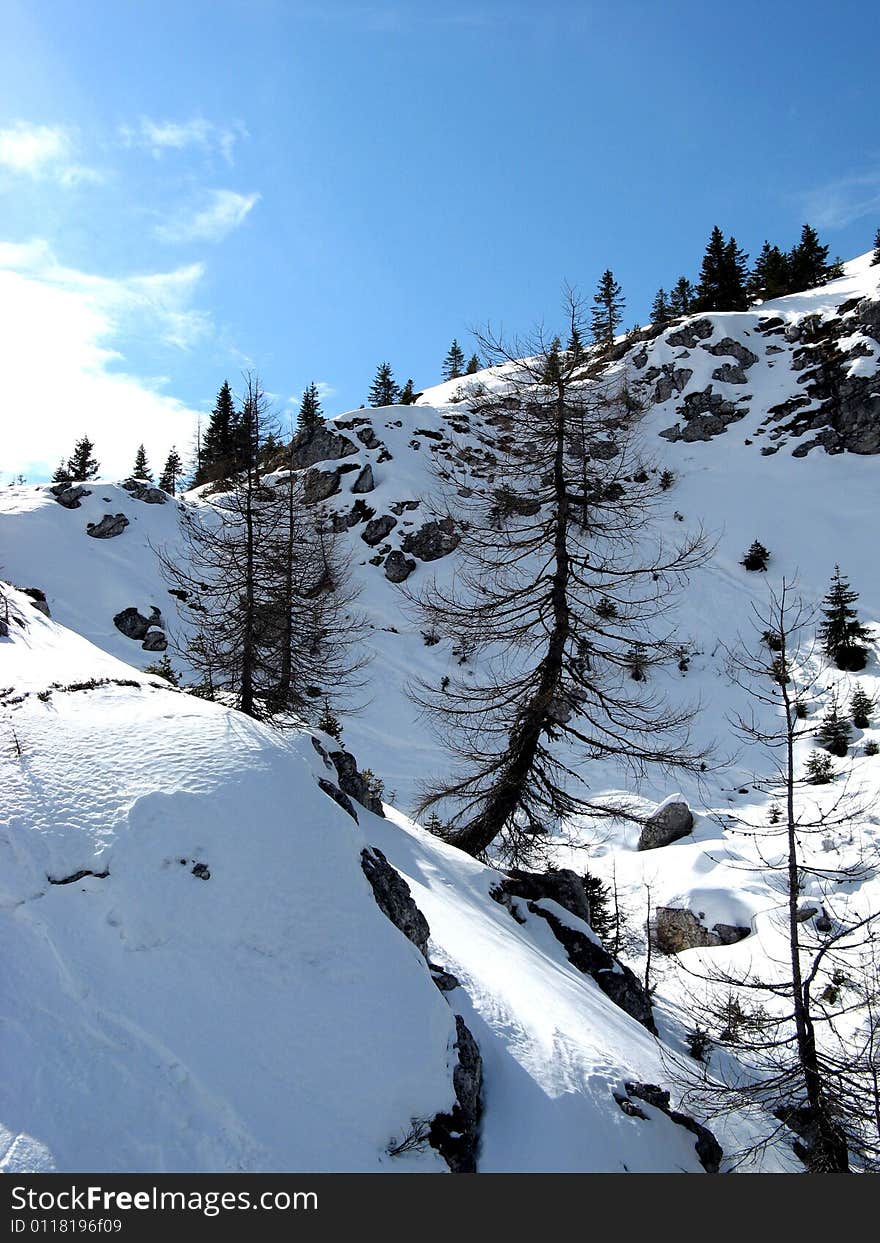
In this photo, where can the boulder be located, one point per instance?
(37, 599)
(432, 540)
(398, 567)
(134, 625)
(677, 929)
(730, 373)
(377, 528)
(154, 641)
(561, 885)
(668, 823)
(672, 381)
(364, 481)
(109, 526)
(368, 437)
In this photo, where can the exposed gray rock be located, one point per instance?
(398, 566)
(154, 641)
(444, 979)
(673, 380)
(318, 485)
(337, 795)
(690, 333)
(456, 1135)
(109, 526)
(736, 349)
(364, 481)
(69, 495)
(319, 444)
(677, 929)
(707, 414)
(352, 782)
(394, 899)
(432, 540)
(134, 625)
(401, 507)
(146, 492)
(377, 528)
(368, 437)
(37, 599)
(561, 885)
(707, 1148)
(730, 373)
(667, 824)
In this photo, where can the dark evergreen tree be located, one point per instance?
(875, 258)
(771, 275)
(142, 466)
(171, 472)
(834, 731)
(757, 557)
(607, 314)
(809, 262)
(407, 394)
(681, 300)
(473, 365)
(310, 413)
(62, 474)
(861, 708)
(841, 634)
(723, 276)
(453, 363)
(221, 444)
(383, 390)
(83, 464)
(329, 722)
(661, 312)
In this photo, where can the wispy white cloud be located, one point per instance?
(43, 151)
(224, 211)
(838, 203)
(79, 321)
(160, 137)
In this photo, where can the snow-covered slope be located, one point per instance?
(197, 977)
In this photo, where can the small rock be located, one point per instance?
(398, 567)
(377, 528)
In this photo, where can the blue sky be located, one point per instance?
(191, 188)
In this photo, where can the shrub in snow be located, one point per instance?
(861, 706)
(164, 669)
(819, 769)
(699, 1043)
(871, 747)
(834, 732)
(757, 557)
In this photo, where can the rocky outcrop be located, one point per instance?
(735, 349)
(671, 382)
(730, 373)
(394, 899)
(110, 526)
(432, 540)
(319, 444)
(134, 625)
(318, 485)
(671, 821)
(455, 1135)
(352, 782)
(70, 494)
(146, 492)
(333, 791)
(708, 1150)
(691, 333)
(706, 414)
(398, 567)
(677, 929)
(37, 599)
(585, 951)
